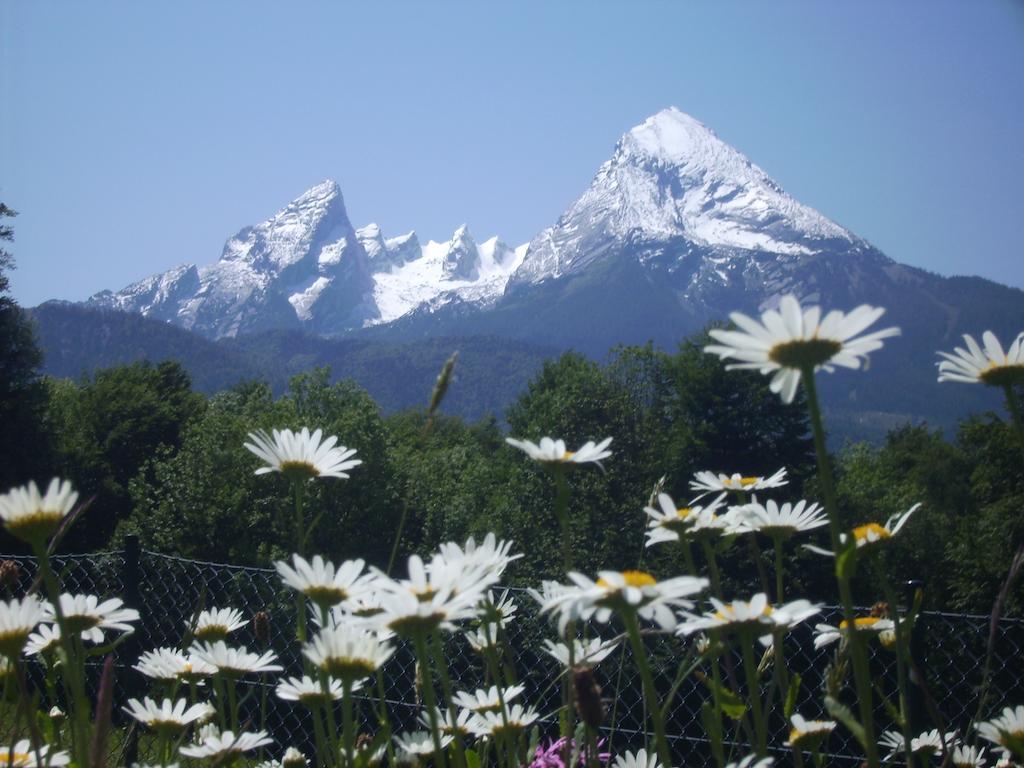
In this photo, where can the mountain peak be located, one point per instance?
(672, 135)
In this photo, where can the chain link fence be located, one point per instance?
(948, 649)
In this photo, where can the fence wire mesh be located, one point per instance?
(949, 653)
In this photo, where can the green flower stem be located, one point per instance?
(348, 723)
(650, 694)
(233, 703)
(861, 673)
(318, 737)
(332, 725)
(754, 692)
(73, 674)
(1013, 406)
(567, 720)
(382, 716)
(562, 513)
(691, 566)
(429, 700)
(780, 568)
(717, 747)
(713, 572)
(901, 669)
(300, 546)
(446, 688)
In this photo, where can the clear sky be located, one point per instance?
(137, 136)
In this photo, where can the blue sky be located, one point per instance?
(137, 136)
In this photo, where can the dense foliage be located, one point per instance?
(164, 462)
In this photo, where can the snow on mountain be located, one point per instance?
(456, 270)
(692, 213)
(306, 266)
(672, 177)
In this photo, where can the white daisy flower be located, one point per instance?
(756, 616)
(293, 758)
(586, 653)
(826, 634)
(989, 365)
(17, 620)
(1006, 729)
(752, 761)
(894, 742)
(31, 516)
(308, 691)
(639, 759)
(87, 617)
(496, 611)
(460, 726)
(554, 452)
(172, 664)
(347, 653)
(418, 744)
(22, 755)
(45, 638)
(653, 600)
(810, 732)
(167, 717)
(490, 556)
(220, 746)
(968, 757)
(320, 582)
(218, 623)
(930, 742)
(234, 662)
(714, 483)
(431, 597)
(300, 454)
(773, 520)
(668, 522)
(486, 700)
(790, 339)
(515, 718)
(870, 534)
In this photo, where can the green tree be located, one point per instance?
(110, 427)
(204, 500)
(24, 441)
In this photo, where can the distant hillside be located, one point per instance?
(490, 375)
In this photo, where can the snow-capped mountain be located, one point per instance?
(690, 208)
(307, 267)
(675, 230)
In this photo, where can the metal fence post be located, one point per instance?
(129, 650)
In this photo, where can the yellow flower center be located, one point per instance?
(744, 482)
(683, 513)
(1000, 375)
(633, 579)
(729, 613)
(567, 456)
(862, 622)
(298, 469)
(870, 532)
(14, 758)
(804, 353)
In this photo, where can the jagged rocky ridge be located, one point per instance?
(307, 267)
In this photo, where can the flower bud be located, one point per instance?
(293, 759)
(57, 715)
(10, 575)
(261, 627)
(588, 696)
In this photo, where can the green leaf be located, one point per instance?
(794, 689)
(732, 704)
(842, 713)
(472, 759)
